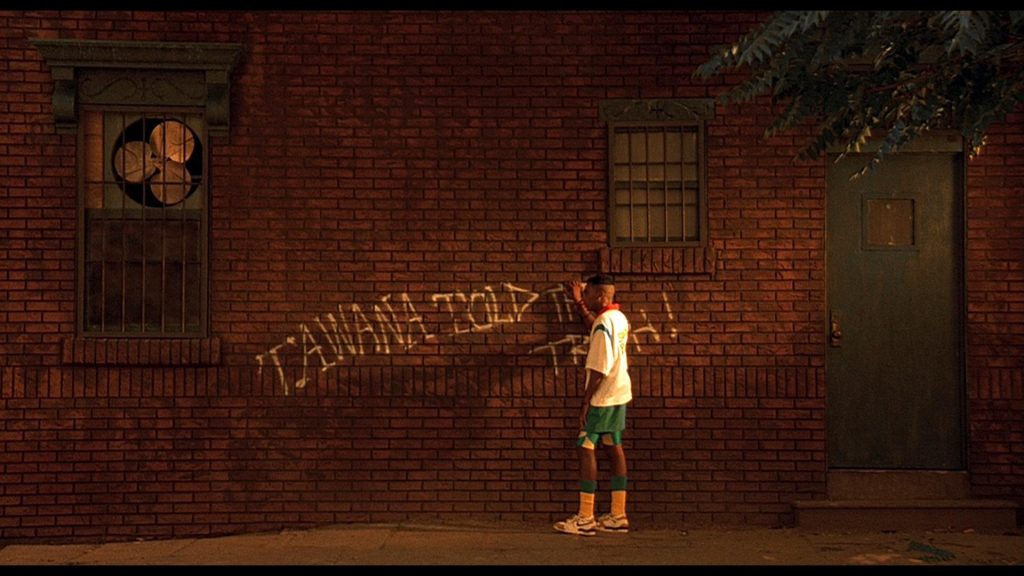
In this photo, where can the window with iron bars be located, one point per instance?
(143, 222)
(656, 186)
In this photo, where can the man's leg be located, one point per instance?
(588, 479)
(616, 520)
(583, 522)
(619, 479)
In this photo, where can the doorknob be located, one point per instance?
(835, 335)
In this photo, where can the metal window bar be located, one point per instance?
(201, 236)
(664, 177)
(682, 182)
(142, 248)
(694, 152)
(102, 259)
(184, 264)
(647, 181)
(163, 256)
(629, 176)
(124, 248)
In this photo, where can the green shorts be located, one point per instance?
(604, 423)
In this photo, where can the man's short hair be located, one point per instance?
(601, 280)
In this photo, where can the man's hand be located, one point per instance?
(574, 289)
(583, 416)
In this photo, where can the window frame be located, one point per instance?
(701, 156)
(165, 77)
(654, 113)
(82, 233)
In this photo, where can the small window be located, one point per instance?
(656, 172)
(144, 221)
(142, 112)
(889, 223)
(655, 185)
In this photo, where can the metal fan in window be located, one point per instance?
(158, 162)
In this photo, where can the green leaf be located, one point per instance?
(971, 28)
(853, 76)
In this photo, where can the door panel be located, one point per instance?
(894, 384)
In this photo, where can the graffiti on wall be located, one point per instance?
(571, 349)
(394, 324)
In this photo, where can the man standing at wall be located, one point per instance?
(603, 414)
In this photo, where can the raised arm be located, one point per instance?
(574, 289)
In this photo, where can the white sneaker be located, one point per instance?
(577, 525)
(611, 523)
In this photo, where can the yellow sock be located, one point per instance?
(586, 505)
(619, 502)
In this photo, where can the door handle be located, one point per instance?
(835, 334)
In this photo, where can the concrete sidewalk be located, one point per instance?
(468, 543)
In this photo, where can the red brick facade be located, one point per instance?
(397, 201)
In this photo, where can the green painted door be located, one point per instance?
(894, 396)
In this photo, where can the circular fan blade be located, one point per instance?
(173, 140)
(172, 183)
(135, 161)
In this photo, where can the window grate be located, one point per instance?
(144, 223)
(656, 183)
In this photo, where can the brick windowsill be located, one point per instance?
(659, 260)
(141, 351)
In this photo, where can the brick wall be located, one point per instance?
(400, 196)
(995, 311)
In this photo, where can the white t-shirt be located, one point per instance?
(607, 355)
